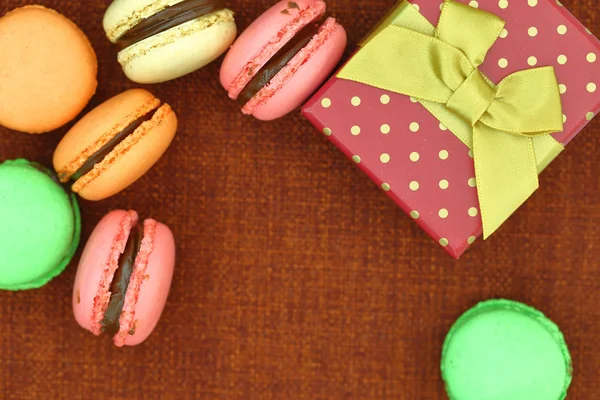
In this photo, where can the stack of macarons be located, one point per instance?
(48, 74)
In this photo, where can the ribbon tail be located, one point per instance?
(546, 150)
(506, 173)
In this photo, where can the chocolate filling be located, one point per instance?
(120, 283)
(98, 156)
(168, 18)
(277, 62)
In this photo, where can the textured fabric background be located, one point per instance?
(297, 278)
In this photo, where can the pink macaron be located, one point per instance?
(124, 277)
(282, 58)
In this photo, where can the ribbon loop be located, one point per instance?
(406, 49)
(469, 29)
(527, 102)
(506, 126)
(472, 98)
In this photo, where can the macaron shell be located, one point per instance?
(505, 350)
(109, 118)
(115, 174)
(265, 31)
(155, 287)
(48, 69)
(40, 227)
(179, 50)
(107, 240)
(306, 80)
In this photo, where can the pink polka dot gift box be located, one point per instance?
(455, 107)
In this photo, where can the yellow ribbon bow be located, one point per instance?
(507, 126)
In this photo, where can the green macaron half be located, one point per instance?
(40, 225)
(505, 350)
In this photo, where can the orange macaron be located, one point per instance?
(48, 70)
(115, 144)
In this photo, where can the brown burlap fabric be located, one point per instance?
(297, 278)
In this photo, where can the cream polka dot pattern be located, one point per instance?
(562, 88)
(562, 59)
(532, 31)
(562, 29)
(532, 61)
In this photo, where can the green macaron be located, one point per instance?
(505, 350)
(40, 227)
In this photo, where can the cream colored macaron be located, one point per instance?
(166, 39)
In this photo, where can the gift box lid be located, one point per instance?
(415, 159)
